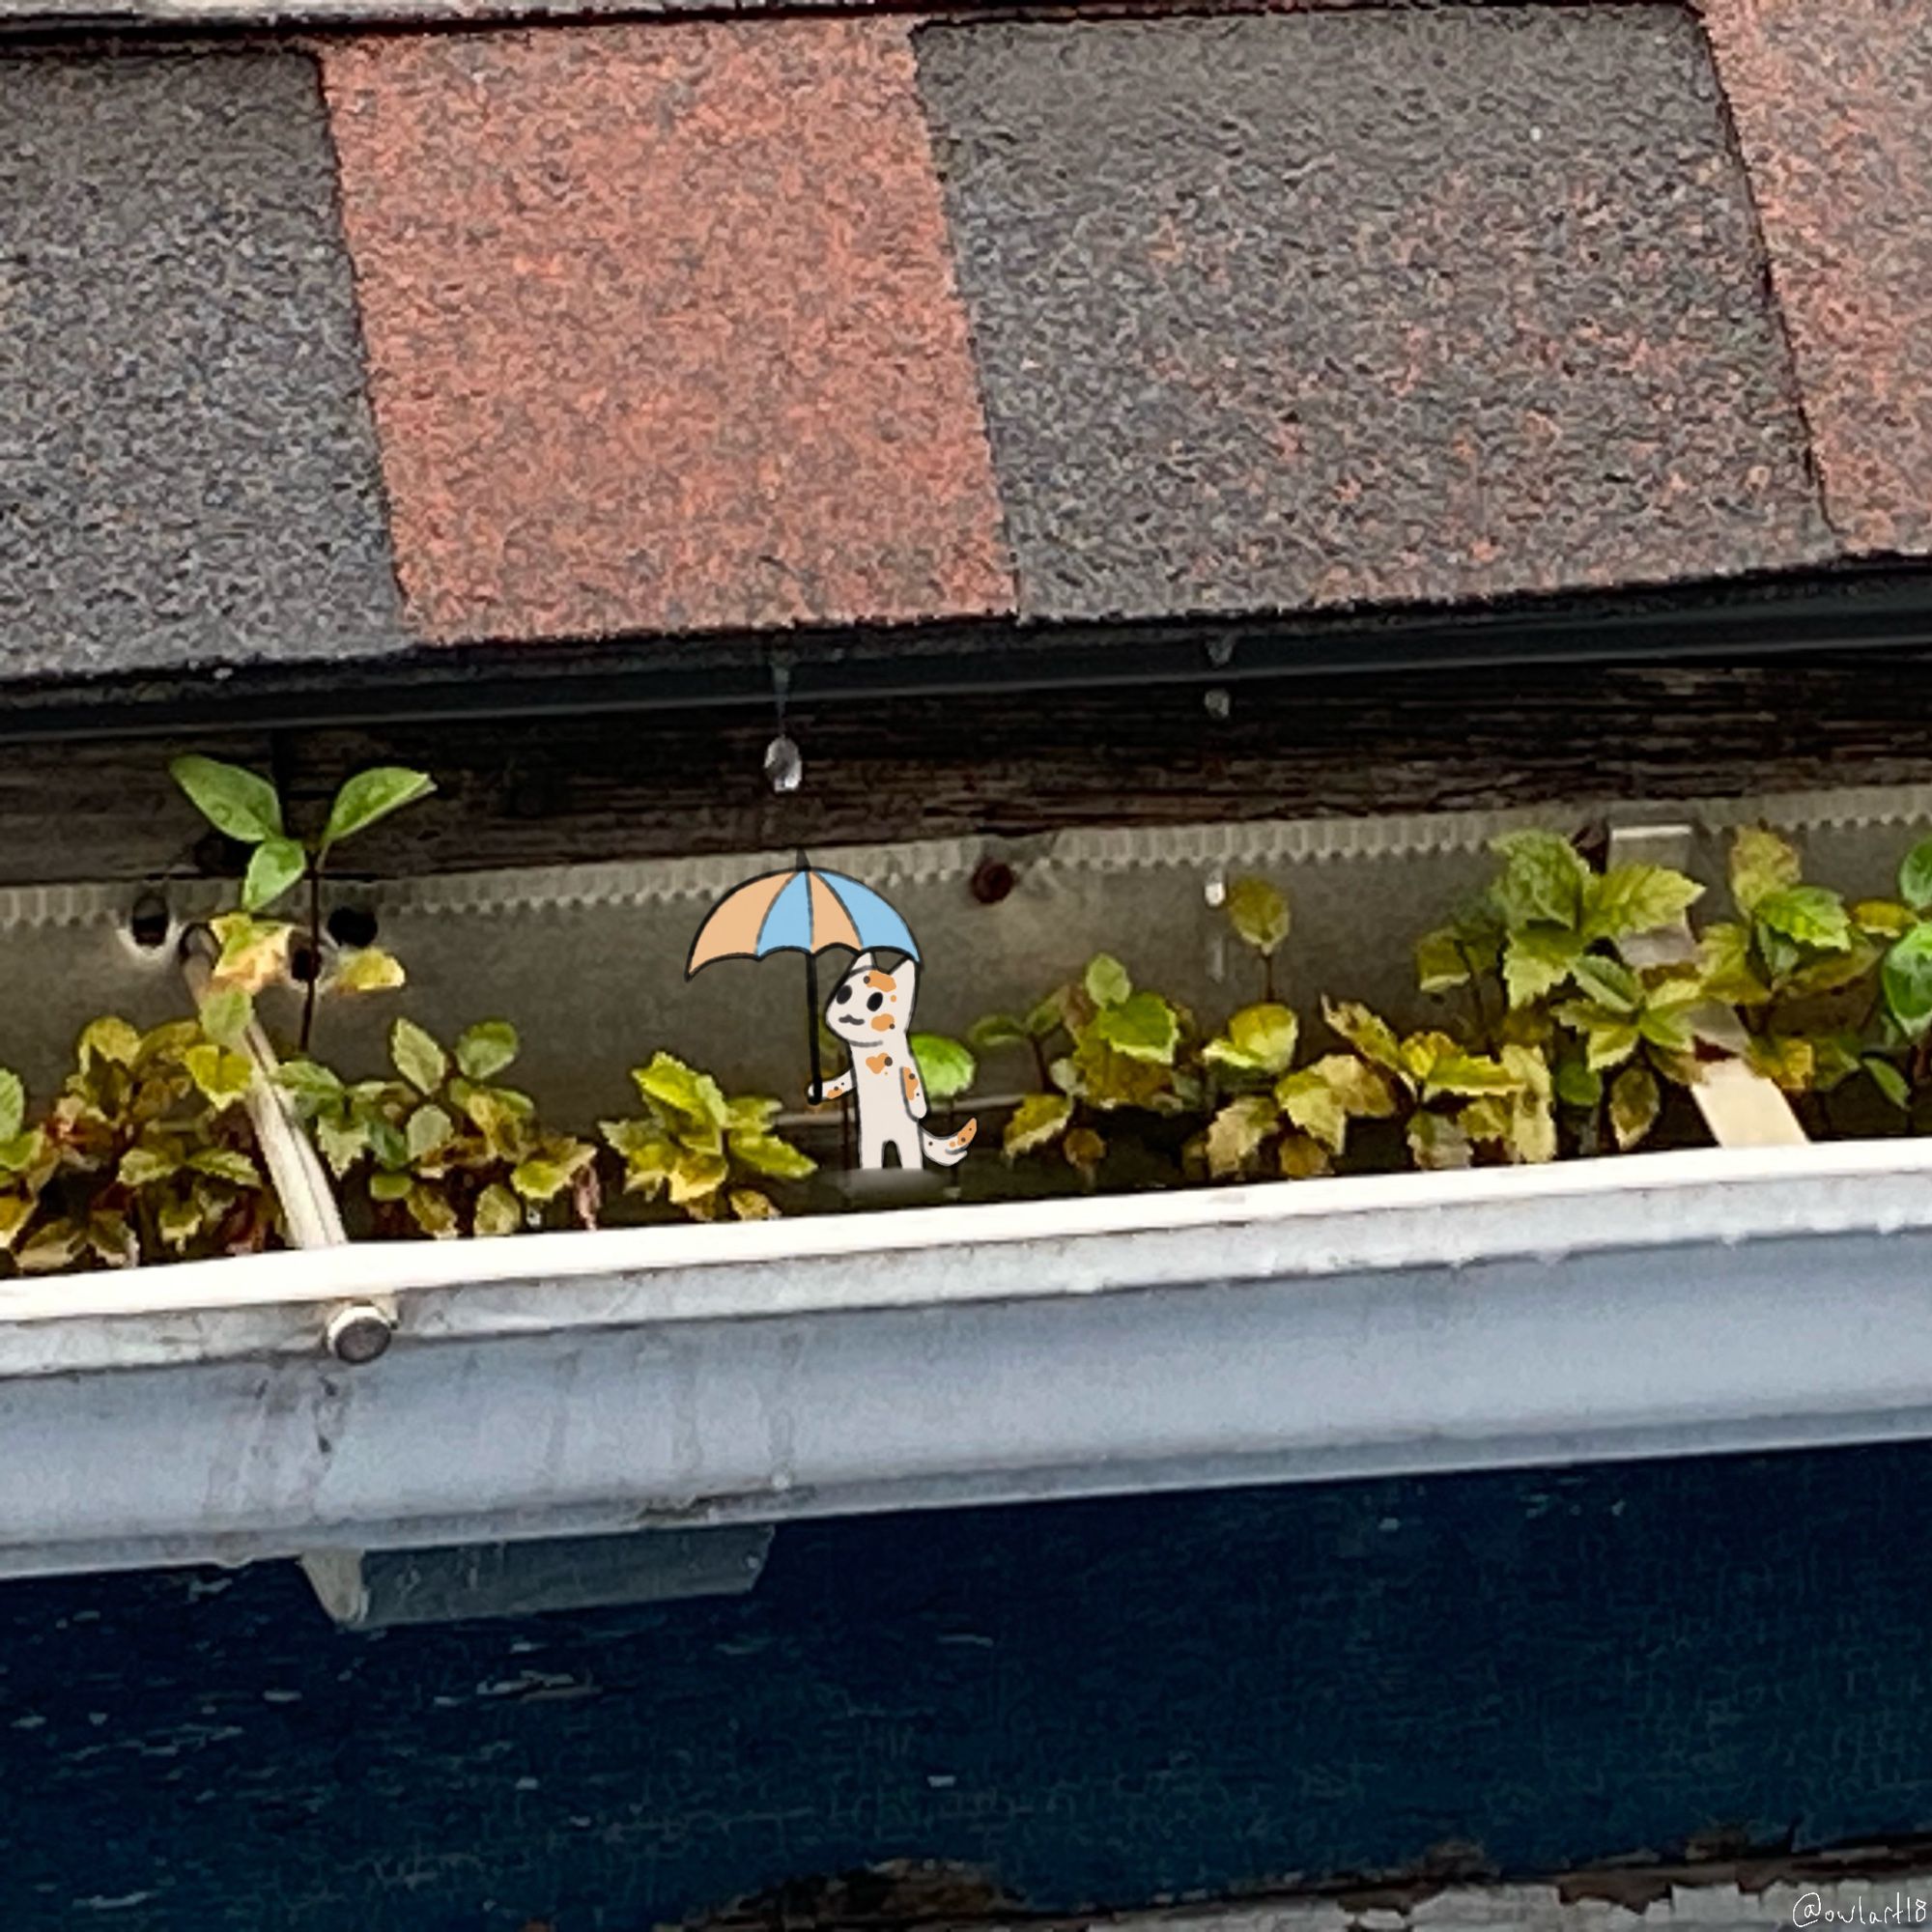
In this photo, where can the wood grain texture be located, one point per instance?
(633, 785)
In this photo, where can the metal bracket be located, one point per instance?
(377, 1588)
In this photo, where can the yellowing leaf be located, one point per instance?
(368, 970)
(1761, 862)
(143, 1164)
(1236, 1133)
(13, 1105)
(1441, 962)
(226, 1014)
(1634, 1101)
(110, 1039)
(430, 1210)
(1724, 962)
(1300, 1158)
(1315, 1107)
(1260, 1039)
(416, 1056)
(1258, 914)
(498, 1211)
(1084, 1149)
(696, 1176)
(1143, 1026)
(226, 1164)
(1531, 1139)
(254, 951)
(1363, 1091)
(1885, 918)
(1436, 1142)
(222, 1077)
(749, 1205)
(427, 1131)
(682, 1090)
(1038, 1120)
(768, 1155)
(1371, 1035)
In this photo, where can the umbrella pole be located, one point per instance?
(816, 1091)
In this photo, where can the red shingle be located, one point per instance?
(1832, 105)
(662, 330)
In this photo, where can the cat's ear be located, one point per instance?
(862, 964)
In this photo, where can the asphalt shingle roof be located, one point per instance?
(671, 327)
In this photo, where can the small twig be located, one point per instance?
(314, 951)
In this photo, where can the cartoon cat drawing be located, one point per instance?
(870, 1011)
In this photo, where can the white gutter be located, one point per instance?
(562, 1385)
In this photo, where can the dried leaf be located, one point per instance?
(1634, 1101)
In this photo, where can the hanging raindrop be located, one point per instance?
(784, 767)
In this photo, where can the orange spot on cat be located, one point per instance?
(883, 982)
(882, 1023)
(879, 1061)
(911, 1080)
(964, 1137)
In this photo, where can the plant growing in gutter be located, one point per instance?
(444, 1149)
(1798, 966)
(256, 948)
(1099, 1044)
(708, 1152)
(146, 1153)
(1592, 972)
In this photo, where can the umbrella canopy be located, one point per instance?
(803, 910)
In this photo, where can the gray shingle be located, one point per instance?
(187, 470)
(1287, 311)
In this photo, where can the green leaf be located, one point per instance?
(428, 1131)
(225, 1015)
(416, 1056)
(1634, 1101)
(341, 1142)
(1630, 899)
(1038, 1120)
(22, 1150)
(1046, 1017)
(1888, 1080)
(57, 1245)
(226, 1164)
(767, 1153)
(15, 1211)
(993, 1030)
(749, 1114)
(540, 1179)
(221, 1076)
(13, 1105)
(697, 1177)
(1258, 914)
(1142, 1026)
(1907, 980)
(276, 864)
(232, 800)
(110, 1039)
(1761, 862)
(1608, 982)
(1530, 1135)
(1107, 982)
(387, 1142)
(142, 1164)
(682, 1090)
(485, 1049)
(498, 1211)
(368, 970)
(1363, 1091)
(1543, 880)
(1236, 1133)
(1260, 1039)
(944, 1065)
(749, 1205)
(372, 795)
(387, 1186)
(1809, 915)
(1537, 960)
(1914, 876)
(1441, 961)
(311, 1085)
(1576, 1085)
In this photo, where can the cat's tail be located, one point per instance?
(951, 1152)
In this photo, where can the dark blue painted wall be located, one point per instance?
(1100, 1702)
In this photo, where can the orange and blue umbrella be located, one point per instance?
(802, 910)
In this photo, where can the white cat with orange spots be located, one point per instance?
(871, 1012)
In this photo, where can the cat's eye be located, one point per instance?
(844, 994)
(877, 1000)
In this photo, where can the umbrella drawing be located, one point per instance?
(803, 910)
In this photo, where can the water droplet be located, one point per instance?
(784, 767)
